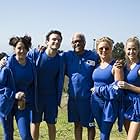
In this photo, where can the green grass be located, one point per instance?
(65, 129)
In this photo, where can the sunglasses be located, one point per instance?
(103, 48)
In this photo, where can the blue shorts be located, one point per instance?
(79, 110)
(48, 110)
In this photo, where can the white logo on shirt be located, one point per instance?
(91, 124)
(90, 62)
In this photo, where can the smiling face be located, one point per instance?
(3, 61)
(78, 43)
(132, 51)
(54, 41)
(20, 50)
(104, 50)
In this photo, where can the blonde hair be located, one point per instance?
(105, 39)
(135, 40)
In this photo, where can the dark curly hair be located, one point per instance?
(3, 54)
(26, 40)
(53, 32)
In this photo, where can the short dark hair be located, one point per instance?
(26, 40)
(3, 54)
(53, 32)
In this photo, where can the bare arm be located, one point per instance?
(118, 74)
(128, 86)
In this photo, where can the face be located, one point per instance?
(4, 60)
(20, 50)
(54, 41)
(78, 43)
(131, 51)
(104, 50)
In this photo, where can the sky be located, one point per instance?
(118, 19)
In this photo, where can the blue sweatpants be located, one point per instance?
(7, 124)
(97, 105)
(23, 123)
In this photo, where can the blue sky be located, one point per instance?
(118, 19)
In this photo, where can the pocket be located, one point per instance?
(6, 105)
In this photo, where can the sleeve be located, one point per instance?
(7, 94)
(65, 55)
(31, 55)
(60, 79)
(8, 85)
(109, 92)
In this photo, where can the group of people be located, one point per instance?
(100, 88)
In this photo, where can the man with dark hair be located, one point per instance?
(50, 77)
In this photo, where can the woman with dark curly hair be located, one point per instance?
(24, 79)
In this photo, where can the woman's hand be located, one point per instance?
(119, 63)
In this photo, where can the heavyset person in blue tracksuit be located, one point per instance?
(50, 77)
(105, 98)
(7, 96)
(79, 65)
(24, 79)
(132, 88)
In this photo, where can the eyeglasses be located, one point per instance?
(104, 48)
(77, 41)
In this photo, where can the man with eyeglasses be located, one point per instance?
(79, 65)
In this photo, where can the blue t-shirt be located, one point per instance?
(79, 69)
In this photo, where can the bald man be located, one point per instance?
(79, 65)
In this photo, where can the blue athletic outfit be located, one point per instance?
(24, 79)
(132, 99)
(7, 98)
(79, 70)
(106, 101)
(50, 77)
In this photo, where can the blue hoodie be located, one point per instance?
(50, 76)
(30, 85)
(7, 91)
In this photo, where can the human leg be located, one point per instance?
(91, 133)
(8, 128)
(86, 119)
(97, 105)
(134, 131)
(50, 115)
(126, 125)
(51, 131)
(105, 130)
(36, 119)
(35, 130)
(78, 129)
(23, 123)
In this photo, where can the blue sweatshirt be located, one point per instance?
(79, 70)
(25, 79)
(50, 73)
(7, 91)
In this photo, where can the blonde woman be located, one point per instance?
(106, 98)
(132, 88)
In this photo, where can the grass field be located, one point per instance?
(65, 129)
